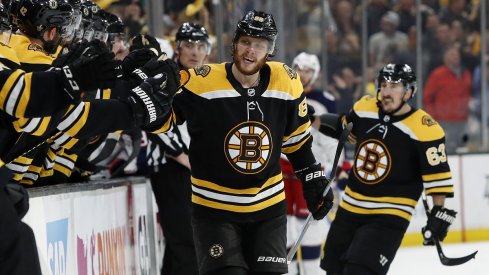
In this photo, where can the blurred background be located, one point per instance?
(353, 40)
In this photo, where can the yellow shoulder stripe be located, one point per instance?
(423, 126)
(285, 79)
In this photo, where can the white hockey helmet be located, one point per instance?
(307, 61)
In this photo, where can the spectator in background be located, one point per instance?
(375, 10)
(382, 45)
(446, 96)
(408, 55)
(442, 40)
(347, 87)
(407, 14)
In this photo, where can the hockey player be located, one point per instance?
(307, 67)
(400, 150)
(240, 117)
(168, 157)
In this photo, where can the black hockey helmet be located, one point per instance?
(258, 24)
(398, 73)
(99, 25)
(34, 17)
(192, 31)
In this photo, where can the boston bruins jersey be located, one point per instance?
(395, 158)
(237, 136)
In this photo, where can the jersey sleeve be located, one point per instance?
(435, 171)
(297, 140)
(27, 95)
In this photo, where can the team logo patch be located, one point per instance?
(248, 147)
(428, 120)
(53, 4)
(372, 162)
(202, 70)
(292, 74)
(216, 251)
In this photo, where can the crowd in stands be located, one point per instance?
(451, 49)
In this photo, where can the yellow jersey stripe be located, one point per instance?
(381, 211)
(249, 191)
(238, 208)
(395, 200)
(291, 149)
(438, 176)
(301, 129)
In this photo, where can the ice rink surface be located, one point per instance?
(424, 260)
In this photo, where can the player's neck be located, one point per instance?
(404, 110)
(246, 81)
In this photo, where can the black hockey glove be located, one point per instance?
(19, 197)
(144, 41)
(136, 59)
(89, 73)
(70, 53)
(439, 220)
(313, 185)
(149, 103)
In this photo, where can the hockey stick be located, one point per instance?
(332, 175)
(444, 259)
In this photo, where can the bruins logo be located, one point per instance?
(292, 74)
(372, 162)
(216, 251)
(428, 120)
(202, 70)
(248, 147)
(35, 47)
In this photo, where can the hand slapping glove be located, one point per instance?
(94, 68)
(149, 103)
(314, 182)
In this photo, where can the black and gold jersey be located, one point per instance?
(395, 158)
(236, 138)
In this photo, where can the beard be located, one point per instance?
(238, 60)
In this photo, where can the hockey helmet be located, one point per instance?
(257, 24)
(307, 61)
(34, 17)
(193, 32)
(398, 73)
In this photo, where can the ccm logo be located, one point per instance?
(314, 175)
(271, 259)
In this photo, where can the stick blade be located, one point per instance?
(456, 261)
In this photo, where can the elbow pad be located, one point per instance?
(329, 124)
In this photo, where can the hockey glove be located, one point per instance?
(90, 73)
(439, 220)
(144, 41)
(70, 53)
(313, 185)
(136, 59)
(149, 103)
